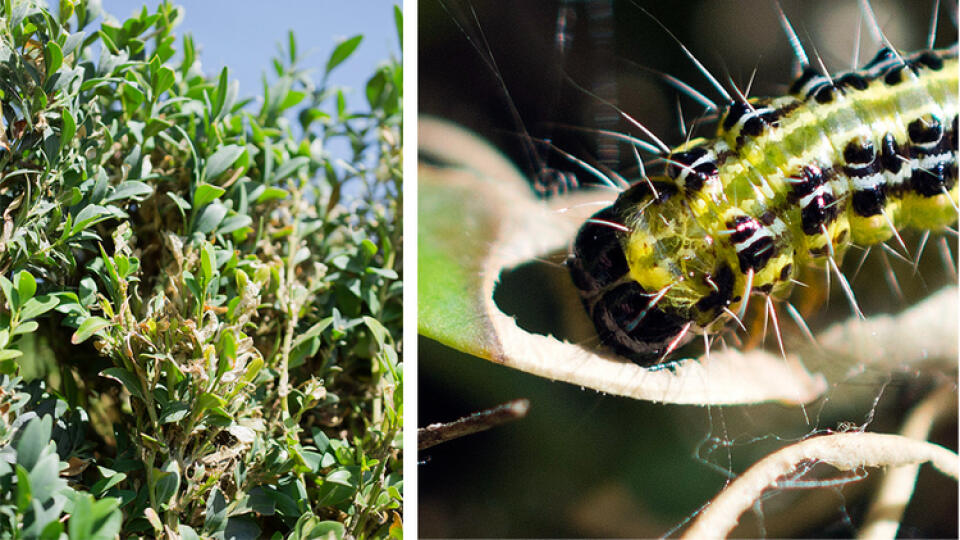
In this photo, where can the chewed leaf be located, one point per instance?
(479, 218)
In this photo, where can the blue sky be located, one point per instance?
(245, 35)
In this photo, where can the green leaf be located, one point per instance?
(235, 222)
(398, 20)
(126, 266)
(181, 203)
(111, 268)
(209, 401)
(110, 35)
(87, 291)
(110, 479)
(292, 44)
(72, 42)
(216, 514)
(341, 104)
(108, 519)
(205, 193)
(210, 217)
(81, 518)
(53, 57)
(191, 282)
(339, 486)
(24, 493)
(380, 332)
(154, 126)
(221, 160)
(51, 531)
(131, 189)
(313, 331)
(25, 328)
(125, 378)
(89, 215)
(187, 533)
(308, 116)
(208, 261)
(7, 354)
(221, 95)
(44, 478)
(38, 306)
(89, 327)
(174, 411)
(68, 128)
(9, 293)
(132, 94)
(343, 51)
(271, 193)
(325, 529)
(163, 79)
(34, 438)
(26, 285)
(450, 302)
(312, 460)
(292, 98)
(219, 417)
(344, 476)
(375, 87)
(285, 504)
(253, 369)
(228, 349)
(169, 482)
(388, 273)
(369, 248)
(289, 167)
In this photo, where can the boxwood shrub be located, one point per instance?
(200, 311)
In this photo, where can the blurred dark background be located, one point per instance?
(586, 464)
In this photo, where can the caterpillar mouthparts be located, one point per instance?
(787, 181)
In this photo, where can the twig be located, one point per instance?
(886, 511)
(435, 434)
(292, 308)
(845, 451)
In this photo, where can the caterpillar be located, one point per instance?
(788, 181)
(610, 491)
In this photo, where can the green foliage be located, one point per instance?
(214, 301)
(35, 499)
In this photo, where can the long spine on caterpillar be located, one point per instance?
(787, 181)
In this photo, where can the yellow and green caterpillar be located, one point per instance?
(786, 182)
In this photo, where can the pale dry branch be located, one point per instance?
(886, 511)
(845, 451)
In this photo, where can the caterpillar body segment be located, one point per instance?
(787, 181)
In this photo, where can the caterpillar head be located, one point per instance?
(648, 275)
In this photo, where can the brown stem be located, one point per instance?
(435, 434)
